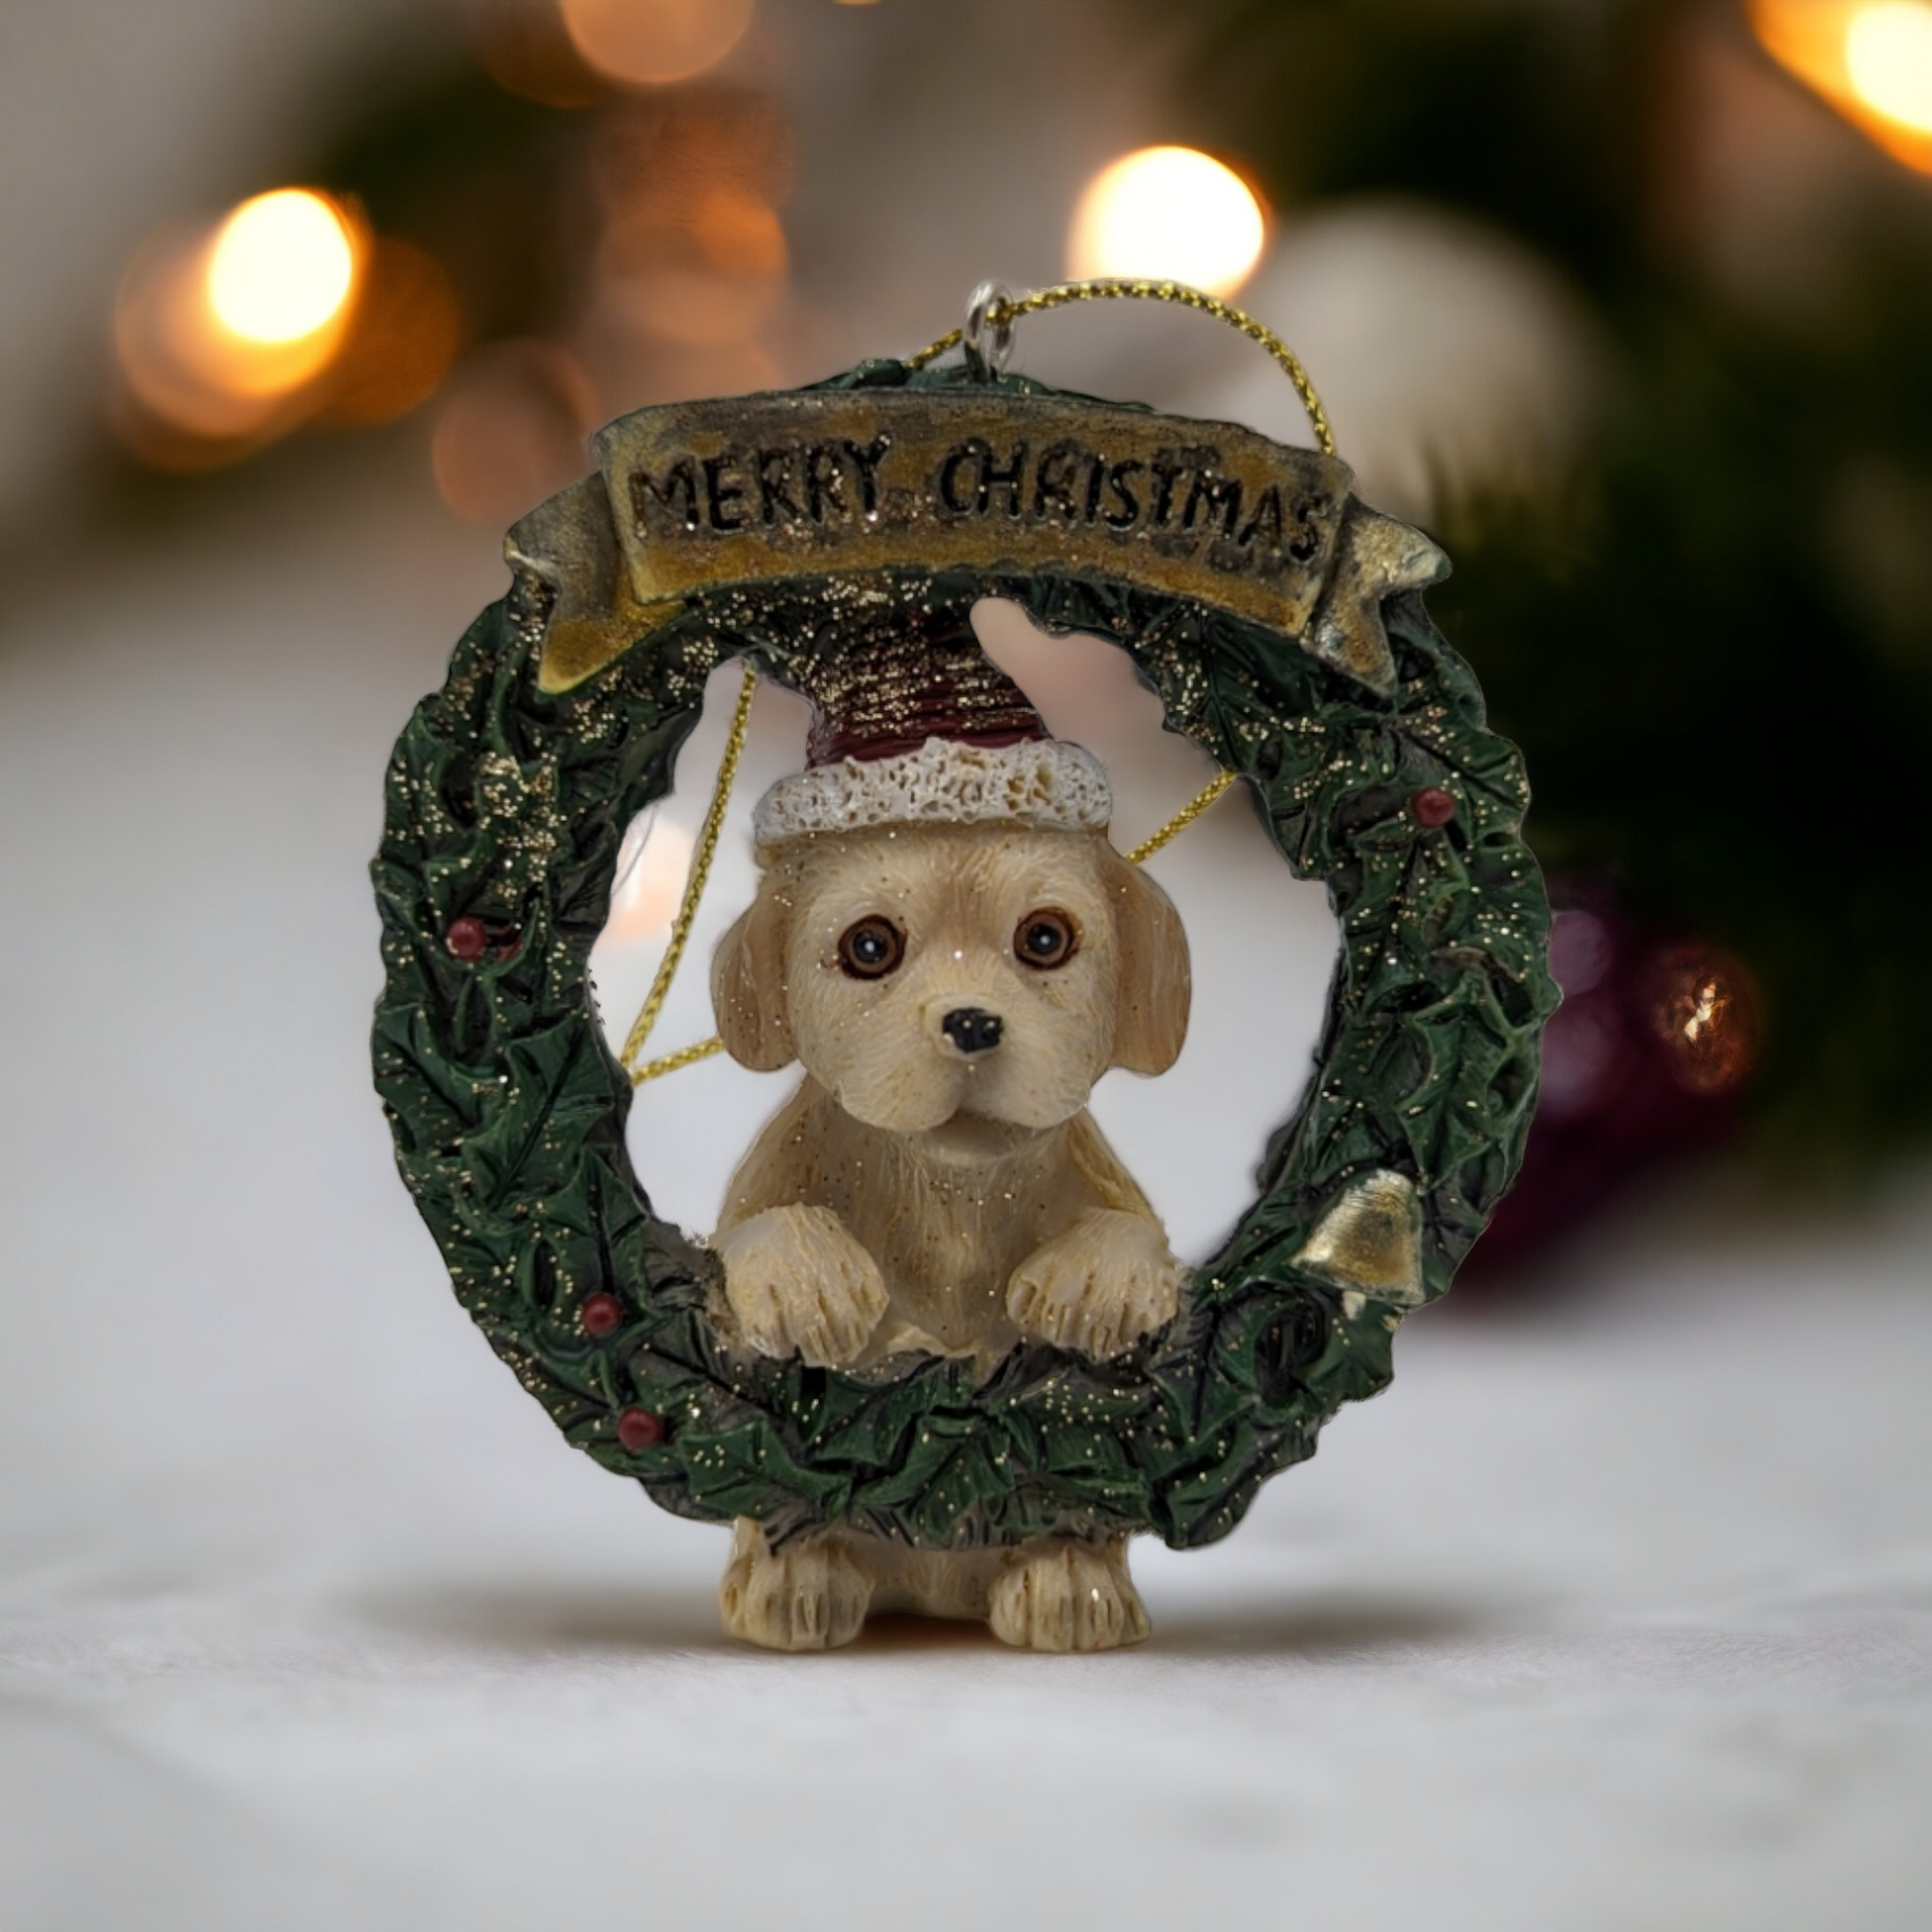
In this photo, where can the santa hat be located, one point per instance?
(914, 724)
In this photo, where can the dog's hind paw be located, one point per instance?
(1109, 1279)
(1060, 1595)
(810, 1595)
(796, 1281)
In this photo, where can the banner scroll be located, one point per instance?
(691, 498)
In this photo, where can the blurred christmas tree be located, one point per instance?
(1711, 631)
(1715, 640)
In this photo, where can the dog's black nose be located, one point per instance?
(972, 1029)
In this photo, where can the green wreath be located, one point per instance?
(505, 806)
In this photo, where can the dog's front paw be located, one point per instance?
(1109, 1279)
(1060, 1595)
(797, 1283)
(810, 1595)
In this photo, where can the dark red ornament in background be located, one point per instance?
(1642, 1067)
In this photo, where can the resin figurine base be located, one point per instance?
(1053, 1592)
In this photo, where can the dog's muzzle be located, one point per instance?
(972, 1029)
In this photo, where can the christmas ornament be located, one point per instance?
(1644, 1064)
(938, 1355)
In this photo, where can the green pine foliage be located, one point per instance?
(1714, 640)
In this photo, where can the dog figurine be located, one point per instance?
(952, 992)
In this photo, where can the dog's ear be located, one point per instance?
(748, 986)
(1155, 980)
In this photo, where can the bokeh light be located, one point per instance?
(653, 865)
(524, 49)
(659, 156)
(511, 430)
(1169, 212)
(714, 276)
(1888, 55)
(1872, 59)
(402, 339)
(222, 334)
(282, 267)
(652, 43)
(693, 254)
(1704, 1006)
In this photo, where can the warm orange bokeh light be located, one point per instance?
(656, 158)
(284, 311)
(1871, 58)
(693, 252)
(281, 267)
(712, 274)
(737, 235)
(1171, 213)
(222, 334)
(512, 430)
(1888, 55)
(1705, 1008)
(525, 51)
(651, 43)
(653, 865)
(404, 336)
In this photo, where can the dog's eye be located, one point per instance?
(1045, 939)
(871, 948)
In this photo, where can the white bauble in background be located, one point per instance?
(1445, 355)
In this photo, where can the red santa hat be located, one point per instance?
(914, 724)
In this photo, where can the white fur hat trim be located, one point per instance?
(1041, 782)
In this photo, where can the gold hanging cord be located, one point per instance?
(1001, 310)
(993, 308)
(687, 911)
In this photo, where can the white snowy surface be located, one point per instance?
(1617, 1615)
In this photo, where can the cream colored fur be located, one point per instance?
(912, 1195)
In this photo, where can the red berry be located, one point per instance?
(466, 938)
(601, 1314)
(1432, 806)
(639, 1429)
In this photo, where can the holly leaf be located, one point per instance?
(947, 1472)
(1454, 1111)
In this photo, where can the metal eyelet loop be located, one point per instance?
(987, 350)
